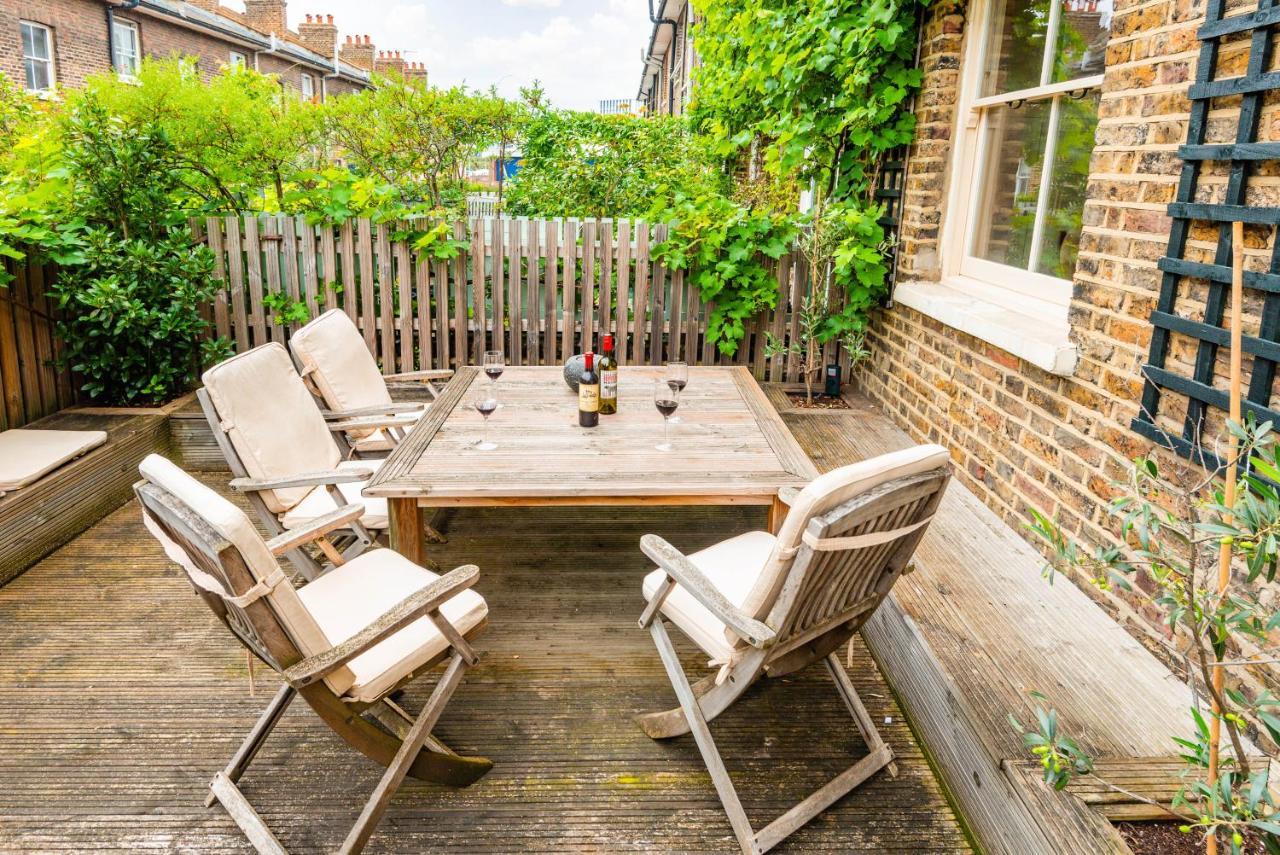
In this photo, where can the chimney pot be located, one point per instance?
(329, 19)
(308, 17)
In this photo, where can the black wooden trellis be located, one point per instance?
(1264, 348)
(889, 181)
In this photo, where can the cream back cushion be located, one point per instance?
(271, 420)
(823, 494)
(336, 359)
(230, 522)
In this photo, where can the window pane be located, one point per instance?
(1069, 176)
(38, 75)
(1015, 45)
(1083, 31)
(35, 42)
(1009, 181)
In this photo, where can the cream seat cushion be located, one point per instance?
(230, 522)
(271, 420)
(26, 455)
(378, 441)
(733, 566)
(347, 599)
(335, 358)
(318, 502)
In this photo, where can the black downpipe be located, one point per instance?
(671, 84)
(111, 28)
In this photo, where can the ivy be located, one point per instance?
(817, 91)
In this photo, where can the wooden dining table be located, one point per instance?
(730, 447)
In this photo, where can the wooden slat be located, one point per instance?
(329, 274)
(458, 294)
(622, 296)
(569, 290)
(368, 313)
(587, 301)
(272, 253)
(386, 318)
(404, 308)
(640, 300)
(478, 291)
(515, 283)
(347, 247)
(658, 301)
(422, 287)
(310, 267)
(608, 320)
(235, 281)
(213, 237)
(551, 247)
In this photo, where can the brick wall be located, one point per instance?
(1020, 437)
(80, 43)
(79, 37)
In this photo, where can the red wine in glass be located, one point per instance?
(493, 372)
(666, 398)
(666, 407)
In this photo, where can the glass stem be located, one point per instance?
(666, 430)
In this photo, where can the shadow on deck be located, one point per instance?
(124, 695)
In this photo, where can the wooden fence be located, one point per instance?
(30, 383)
(540, 290)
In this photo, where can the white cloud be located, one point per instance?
(582, 51)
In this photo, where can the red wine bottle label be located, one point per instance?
(588, 398)
(609, 384)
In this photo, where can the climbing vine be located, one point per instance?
(811, 94)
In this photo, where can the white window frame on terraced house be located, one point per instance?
(126, 48)
(237, 60)
(307, 87)
(33, 64)
(1021, 307)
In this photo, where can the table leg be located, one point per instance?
(407, 529)
(777, 513)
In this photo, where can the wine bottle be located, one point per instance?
(608, 379)
(589, 394)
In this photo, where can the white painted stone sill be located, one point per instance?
(1033, 330)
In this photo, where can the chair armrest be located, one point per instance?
(418, 376)
(677, 566)
(382, 410)
(405, 612)
(318, 527)
(374, 422)
(787, 495)
(304, 479)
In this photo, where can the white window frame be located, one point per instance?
(50, 61)
(307, 87)
(959, 266)
(119, 26)
(237, 60)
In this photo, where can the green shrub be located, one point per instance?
(132, 326)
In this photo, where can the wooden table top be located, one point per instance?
(731, 446)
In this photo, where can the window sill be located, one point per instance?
(1030, 329)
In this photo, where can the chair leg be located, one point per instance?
(413, 743)
(753, 842)
(713, 699)
(261, 730)
(702, 736)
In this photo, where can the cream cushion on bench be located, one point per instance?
(26, 455)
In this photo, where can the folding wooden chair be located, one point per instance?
(761, 605)
(282, 453)
(341, 372)
(344, 642)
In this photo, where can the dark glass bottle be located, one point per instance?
(589, 394)
(608, 379)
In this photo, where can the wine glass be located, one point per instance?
(493, 368)
(666, 397)
(677, 379)
(485, 404)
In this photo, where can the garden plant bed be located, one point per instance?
(819, 402)
(1164, 838)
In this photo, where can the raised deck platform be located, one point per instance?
(123, 695)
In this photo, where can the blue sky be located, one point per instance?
(581, 50)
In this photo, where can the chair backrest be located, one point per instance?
(271, 420)
(337, 363)
(846, 536)
(231, 567)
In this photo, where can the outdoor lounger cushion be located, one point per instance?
(272, 420)
(318, 502)
(334, 358)
(26, 454)
(335, 606)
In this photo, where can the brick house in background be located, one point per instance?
(667, 78)
(1033, 223)
(50, 43)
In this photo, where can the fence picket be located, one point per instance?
(539, 290)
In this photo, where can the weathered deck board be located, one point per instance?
(965, 638)
(123, 696)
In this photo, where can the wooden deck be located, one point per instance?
(123, 695)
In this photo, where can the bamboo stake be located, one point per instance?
(1229, 494)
